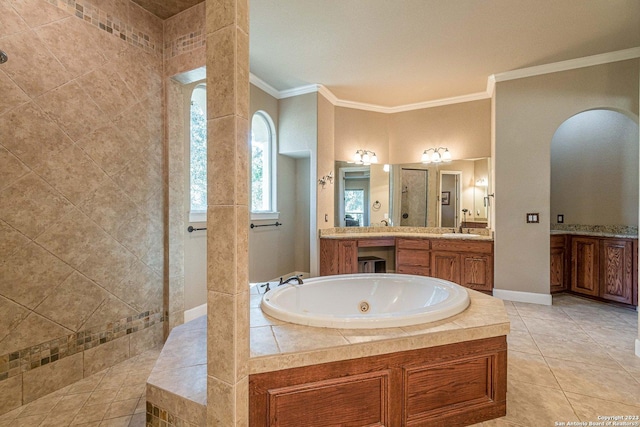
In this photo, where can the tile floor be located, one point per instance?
(114, 397)
(573, 361)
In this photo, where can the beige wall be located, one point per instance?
(81, 195)
(298, 128)
(594, 169)
(465, 129)
(361, 130)
(326, 157)
(527, 114)
(271, 249)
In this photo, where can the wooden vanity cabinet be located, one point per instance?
(338, 256)
(616, 270)
(465, 262)
(413, 256)
(559, 264)
(585, 265)
(605, 268)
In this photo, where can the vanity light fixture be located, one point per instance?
(482, 182)
(436, 156)
(365, 157)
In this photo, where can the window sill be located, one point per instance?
(257, 216)
(198, 216)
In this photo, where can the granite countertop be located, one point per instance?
(594, 234)
(423, 232)
(617, 231)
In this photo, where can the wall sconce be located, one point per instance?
(327, 178)
(482, 182)
(365, 157)
(436, 157)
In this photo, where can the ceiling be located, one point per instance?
(398, 52)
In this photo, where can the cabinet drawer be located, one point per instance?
(462, 246)
(368, 243)
(420, 244)
(558, 241)
(413, 269)
(412, 257)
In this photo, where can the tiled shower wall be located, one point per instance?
(184, 52)
(81, 191)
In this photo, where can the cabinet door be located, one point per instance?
(616, 270)
(446, 265)
(585, 266)
(347, 257)
(477, 272)
(558, 260)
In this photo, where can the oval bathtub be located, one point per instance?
(363, 301)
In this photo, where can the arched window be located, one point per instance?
(198, 154)
(263, 193)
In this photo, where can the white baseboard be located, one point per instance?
(518, 296)
(195, 312)
(638, 347)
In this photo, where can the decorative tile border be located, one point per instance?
(184, 43)
(14, 363)
(158, 417)
(93, 15)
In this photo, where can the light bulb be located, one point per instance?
(435, 158)
(374, 158)
(365, 158)
(446, 156)
(357, 157)
(425, 157)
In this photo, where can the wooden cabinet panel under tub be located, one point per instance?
(455, 384)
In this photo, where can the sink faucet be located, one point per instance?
(298, 278)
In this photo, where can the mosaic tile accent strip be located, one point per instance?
(93, 15)
(183, 44)
(617, 230)
(14, 363)
(158, 417)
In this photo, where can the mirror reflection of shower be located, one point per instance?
(413, 203)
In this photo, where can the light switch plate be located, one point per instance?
(560, 218)
(533, 218)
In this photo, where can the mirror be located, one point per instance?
(415, 195)
(362, 194)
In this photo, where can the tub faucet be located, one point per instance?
(290, 279)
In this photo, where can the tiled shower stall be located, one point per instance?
(90, 248)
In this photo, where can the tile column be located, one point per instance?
(228, 212)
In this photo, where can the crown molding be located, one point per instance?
(302, 90)
(571, 64)
(259, 83)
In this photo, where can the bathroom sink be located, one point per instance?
(459, 235)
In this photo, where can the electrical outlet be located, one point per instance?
(533, 218)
